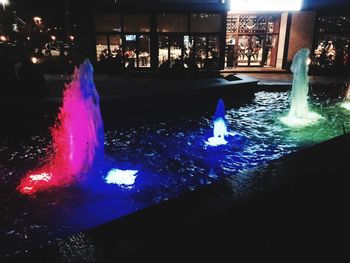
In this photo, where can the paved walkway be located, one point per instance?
(287, 78)
(254, 69)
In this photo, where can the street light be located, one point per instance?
(3, 38)
(37, 20)
(34, 60)
(4, 3)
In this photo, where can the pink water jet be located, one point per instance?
(77, 136)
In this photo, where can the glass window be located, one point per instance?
(144, 51)
(115, 45)
(243, 47)
(270, 51)
(201, 51)
(102, 47)
(332, 41)
(172, 23)
(188, 46)
(136, 23)
(250, 50)
(163, 49)
(231, 52)
(256, 50)
(213, 52)
(188, 51)
(175, 45)
(205, 23)
(107, 23)
(130, 51)
(273, 24)
(251, 40)
(332, 50)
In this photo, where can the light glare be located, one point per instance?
(4, 3)
(124, 178)
(219, 133)
(298, 122)
(265, 5)
(346, 105)
(41, 177)
(34, 60)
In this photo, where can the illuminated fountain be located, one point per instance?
(77, 140)
(299, 114)
(220, 129)
(77, 136)
(346, 103)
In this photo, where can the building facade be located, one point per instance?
(208, 35)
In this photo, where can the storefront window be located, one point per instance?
(115, 45)
(170, 49)
(208, 23)
(144, 52)
(172, 23)
(269, 54)
(250, 50)
(213, 52)
(188, 48)
(251, 40)
(332, 51)
(130, 51)
(102, 47)
(332, 42)
(163, 49)
(201, 50)
(107, 23)
(136, 23)
(257, 50)
(243, 44)
(175, 48)
(273, 24)
(231, 51)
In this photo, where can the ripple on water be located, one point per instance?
(173, 158)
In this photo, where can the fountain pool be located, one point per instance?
(171, 157)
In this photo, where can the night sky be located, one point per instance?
(52, 11)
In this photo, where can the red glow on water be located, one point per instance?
(76, 136)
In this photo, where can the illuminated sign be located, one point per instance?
(265, 5)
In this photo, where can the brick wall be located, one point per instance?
(301, 32)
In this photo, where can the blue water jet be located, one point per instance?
(220, 127)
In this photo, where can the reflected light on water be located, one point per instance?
(124, 178)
